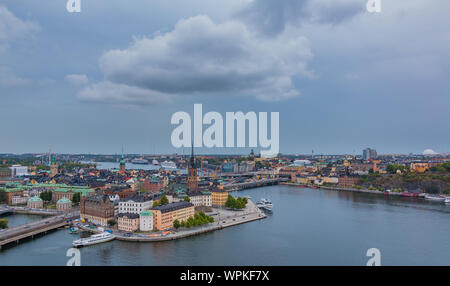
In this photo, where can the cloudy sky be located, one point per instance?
(341, 78)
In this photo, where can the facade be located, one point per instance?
(135, 204)
(348, 181)
(64, 205)
(18, 170)
(219, 198)
(164, 216)
(19, 200)
(128, 222)
(5, 172)
(97, 209)
(369, 154)
(35, 203)
(154, 185)
(200, 198)
(146, 221)
(419, 167)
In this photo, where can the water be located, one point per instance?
(307, 227)
(131, 166)
(18, 219)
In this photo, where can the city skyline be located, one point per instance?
(341, 78)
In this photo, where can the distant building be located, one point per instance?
(97, 209)
(5, 172)
(53, 167)
(348, 181)
(165, 215)
(35, 203)
(19, 200)
(18, 170)
(146, 221)
(192, 181)
(200, 198)
(369, 154)
(128, 222)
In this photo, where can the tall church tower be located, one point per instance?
(122, 163)
(192, 172)
(53, 167)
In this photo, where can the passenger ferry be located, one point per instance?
(94, 239)
(265, 204)
(168, 165)
(141, 161)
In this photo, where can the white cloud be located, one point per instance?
(13, 28)
(77, 79)
(9, 79)
(201, 57)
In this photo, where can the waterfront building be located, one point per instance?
(135, 204)
(218, 198)
(19, 200)
(35, 203)
(146, 221)
(347, 181)
(11, 192)
(128, 222)
(200, 198)
(164, 216)
(97, 209)
(64, 204)
(192, 180)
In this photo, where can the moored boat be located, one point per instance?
(436, 198)
(94, 239)
(168, 165)
(447, 200)
(265, 204)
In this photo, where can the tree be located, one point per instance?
(187, 199)
(164, 200)
(176, 224)
(111, 222)
(46, 196)
(2, 196)
(238, 203)
(433, 189)
(155, 204)
(76, 198)
(3, 223)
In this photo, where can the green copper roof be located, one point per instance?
(35, 199)
(146, 213)
(63, 200)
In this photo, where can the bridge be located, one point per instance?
(6, 211)
(254, 184)
(30, 230)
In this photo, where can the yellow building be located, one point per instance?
(165, 215)
(219, 198)
(419, 167)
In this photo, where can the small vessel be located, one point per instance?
(73, 230)
(168, 165)
(408, 194)
(141, 161)
(265, 204)
(436, 198)
(94, 239)
(155, 162)
(447, 200)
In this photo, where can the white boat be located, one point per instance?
(139, 161)
(155, 162)
(265, 204)
(447, 200)
(93, 239)
(168, 165)
(436, 198)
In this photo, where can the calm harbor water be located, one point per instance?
(307, 227)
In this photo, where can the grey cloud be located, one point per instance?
(13, 28)
(10, 79)
(271, 17)
(77, 79)
(201, 57)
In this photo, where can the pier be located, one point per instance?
(14, 235)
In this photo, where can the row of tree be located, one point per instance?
(46, 196)
(236, 203)
(3, 223)
(198, 219)
(163, 201)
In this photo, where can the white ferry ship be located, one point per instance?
(155, 162)
(436, 198)
(168, 165)
(139, 161)
(94, 239)
(447, 200)
(265, 204)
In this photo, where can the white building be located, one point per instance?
(200, 198)
(135, 204)
(18, 170)
(146, 221)
(19, 200)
